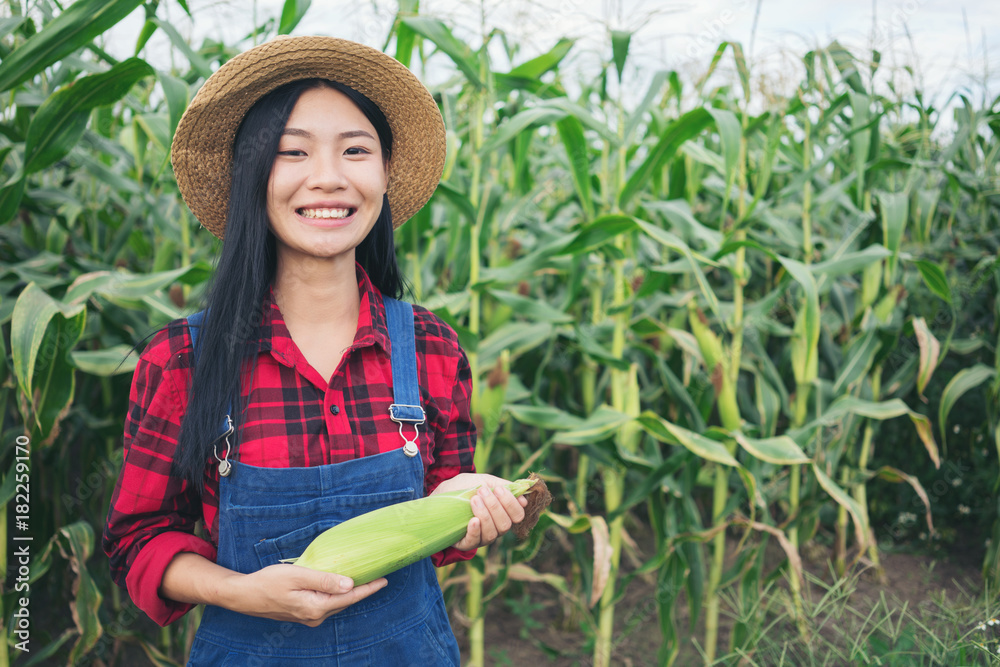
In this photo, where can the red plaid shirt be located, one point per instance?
(294, 419)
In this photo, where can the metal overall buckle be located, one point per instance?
(409, 445)
(225, 467)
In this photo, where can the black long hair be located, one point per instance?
(246, 267)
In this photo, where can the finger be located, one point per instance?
(361, 592)
(324, 582)
(472, 536)
(481, 509)
(499, 521)
(337, 603)
(510, 504)
(504, 509)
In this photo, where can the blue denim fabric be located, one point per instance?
(268, 514)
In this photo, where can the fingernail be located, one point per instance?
(346, 584)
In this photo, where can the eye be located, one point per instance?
(294, 152)
(357, 150)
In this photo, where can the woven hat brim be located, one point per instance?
(202, 150)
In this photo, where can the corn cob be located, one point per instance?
(382, 541)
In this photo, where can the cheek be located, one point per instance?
(377, 182)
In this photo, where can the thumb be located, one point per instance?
(326, 582)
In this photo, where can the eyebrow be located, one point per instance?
(349, 134)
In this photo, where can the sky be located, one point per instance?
(949, 46)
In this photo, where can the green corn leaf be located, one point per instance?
(10, 24)
(651, 482)
(438, 33)
(930, 350)
(66, 33)
(880, 410)
(573, 140)
(59, 123)
(157, 127)
(517, 337)
(125, 286)
(716, 58)
(10, 200)
(536, 67)
(636, 115)
(730, 132)
(897, 476)
(198, 62)
(148, 28)
(850, 263)
(406, 38)
(924, 209)
(664, 431)
(599, 426)
(620, 40)
(678, 214)
(544, 416)
(860, 357)
(860, 134)
(893, 207)
(805, 343)
(548, 113)
(532, 309)
(780, 450)
(291, 14)
(684, 128)
(768, 403)
(694, 260)
(529, 118)
(858, 514)
(599, 232)
(107, 362)
(963, 381)
(31, 327)
(75, 543)
(177, 95)
(742, 69)
(846, 64)
(935, 279)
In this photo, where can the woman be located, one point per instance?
(333, 398)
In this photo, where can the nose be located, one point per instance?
(327, 172)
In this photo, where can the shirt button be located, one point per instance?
(334, 409)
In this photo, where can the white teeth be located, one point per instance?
(326, 213)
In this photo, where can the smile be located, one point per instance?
(325, 213)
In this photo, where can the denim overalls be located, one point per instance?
(267, 514)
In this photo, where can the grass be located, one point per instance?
(944, 629)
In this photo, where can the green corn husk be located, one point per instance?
(382, 541)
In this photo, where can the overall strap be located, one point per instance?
(405, 406)
(195, 322)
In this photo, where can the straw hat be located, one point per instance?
(202, 151)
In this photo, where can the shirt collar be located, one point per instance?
(372, 328)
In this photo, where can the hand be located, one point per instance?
(285, 592)
(495, 509)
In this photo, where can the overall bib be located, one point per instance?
(268, 514)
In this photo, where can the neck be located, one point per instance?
(317, 291)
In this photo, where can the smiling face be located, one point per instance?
(327, 181)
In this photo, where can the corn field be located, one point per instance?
(714, 322)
